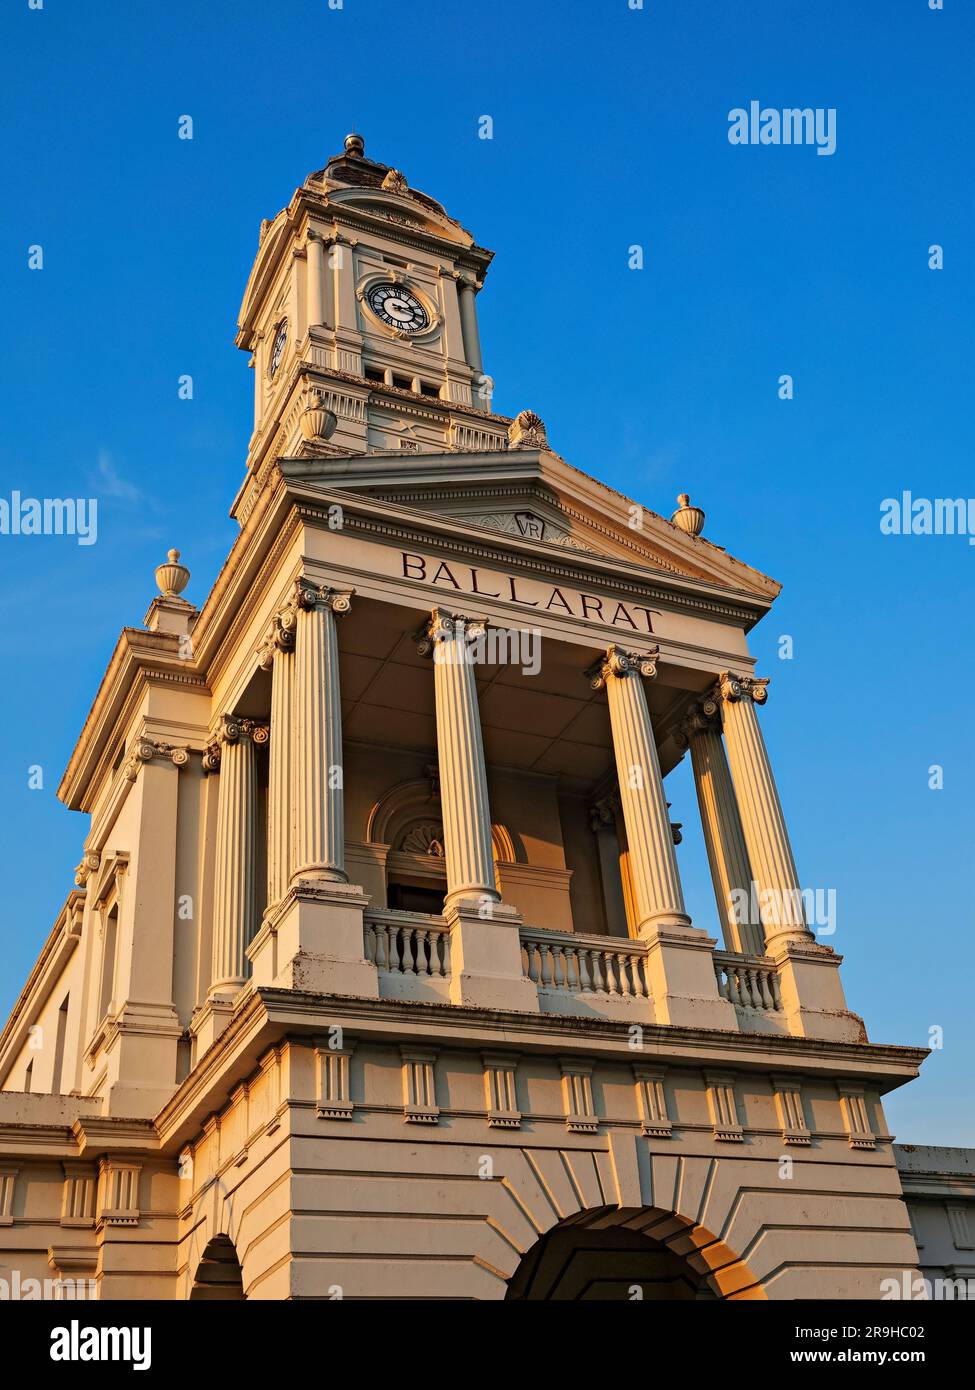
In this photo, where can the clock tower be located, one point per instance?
(360, 319)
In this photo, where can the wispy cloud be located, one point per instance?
(112, 484)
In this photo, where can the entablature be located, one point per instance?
(268, 1017)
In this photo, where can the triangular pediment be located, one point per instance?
(540, 502)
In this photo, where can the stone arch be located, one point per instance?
(507, 850)
(604, 1252)
(414, 805)
(219, 1277)
(408, 801)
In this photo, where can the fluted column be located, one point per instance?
(278, 656)
(460, 750)
(773, 868)
(657, 894)
(233, 751)
(727, 853)
(316, 281)
(319, 824)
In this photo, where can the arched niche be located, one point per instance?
(404, 835)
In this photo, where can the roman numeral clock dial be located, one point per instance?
(398, 308)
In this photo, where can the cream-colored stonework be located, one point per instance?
(378, 979)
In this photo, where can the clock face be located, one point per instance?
(396, 306)
(277, 347)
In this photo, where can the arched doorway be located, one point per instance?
(621, 1254)
(218, 1275)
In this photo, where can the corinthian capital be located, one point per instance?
(620, 663)
(732, 686)
(309, 596)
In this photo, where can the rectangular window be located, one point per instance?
(108, 962)
(57, 1079)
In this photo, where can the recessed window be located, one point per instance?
(428, 389)
(403, 383)
(411, 897)
(375, 374)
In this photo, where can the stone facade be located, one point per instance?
(377, 979)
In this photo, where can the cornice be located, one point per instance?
(94, 1134)
(37, 1140)
(267, 1015)
(139, 659)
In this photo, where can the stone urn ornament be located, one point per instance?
(172, 577)
(688, 518)
(317, 421)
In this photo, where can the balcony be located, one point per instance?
(574, 975)
(411, 951)
(598, 976)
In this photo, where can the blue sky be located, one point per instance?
(610, 129)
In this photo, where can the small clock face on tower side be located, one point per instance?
(277, 347)
(395, 305)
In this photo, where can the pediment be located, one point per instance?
(402, 209)
(531, 524)
(555, 506)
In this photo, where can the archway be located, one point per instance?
(219, 1277)
(615, 1254)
